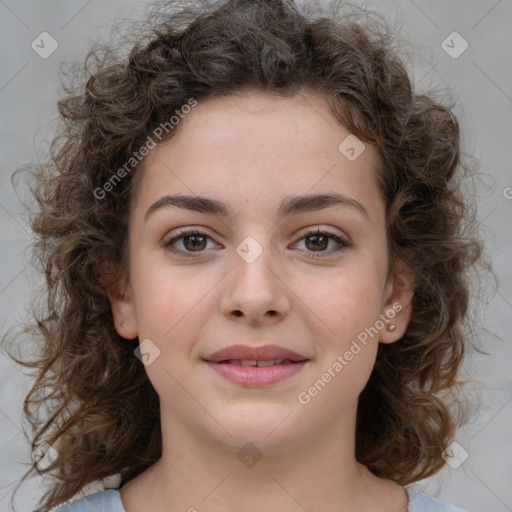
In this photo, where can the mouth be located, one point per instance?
(251, 355)
(257, 373)
(256, 366)
(248, 363)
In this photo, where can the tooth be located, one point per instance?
(253, 363)
(272, 362)
(248, 362)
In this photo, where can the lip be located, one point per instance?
(255, 376)
(245, 352)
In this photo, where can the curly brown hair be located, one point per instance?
(102, 412)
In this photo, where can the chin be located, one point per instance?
(268, 427)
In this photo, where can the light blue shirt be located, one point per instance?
(110, 501)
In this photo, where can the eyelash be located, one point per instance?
(344, 244)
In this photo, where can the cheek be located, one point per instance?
(171, 313)
(348, 343)
(345, 308)
(345, 302)
(167, 297)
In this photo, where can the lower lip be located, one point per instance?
(255, 376)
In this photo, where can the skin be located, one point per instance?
(250, 151)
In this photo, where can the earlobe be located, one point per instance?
(398, 306)
(122, 305)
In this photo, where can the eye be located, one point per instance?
(317, 241)
(193, 241)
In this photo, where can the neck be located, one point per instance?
(316, 473)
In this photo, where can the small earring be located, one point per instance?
(391, 327)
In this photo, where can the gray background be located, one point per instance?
(480, 81)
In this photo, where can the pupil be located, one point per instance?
(194, 244)
(319, 236)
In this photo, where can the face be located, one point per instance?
(311, 278)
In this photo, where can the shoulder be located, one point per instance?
(105, 501)
(110, 501)
(419, 502)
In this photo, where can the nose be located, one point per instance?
(255, 290)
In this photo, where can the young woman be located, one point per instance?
(257, 255)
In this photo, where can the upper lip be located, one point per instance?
(247, 353)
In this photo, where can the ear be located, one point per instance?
(398, 296)
(122, 303)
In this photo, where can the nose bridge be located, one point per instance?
(253, 262)
(255, 288)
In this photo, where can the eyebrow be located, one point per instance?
(289, 205)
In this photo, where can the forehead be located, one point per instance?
(259, 142)
(257, 120)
